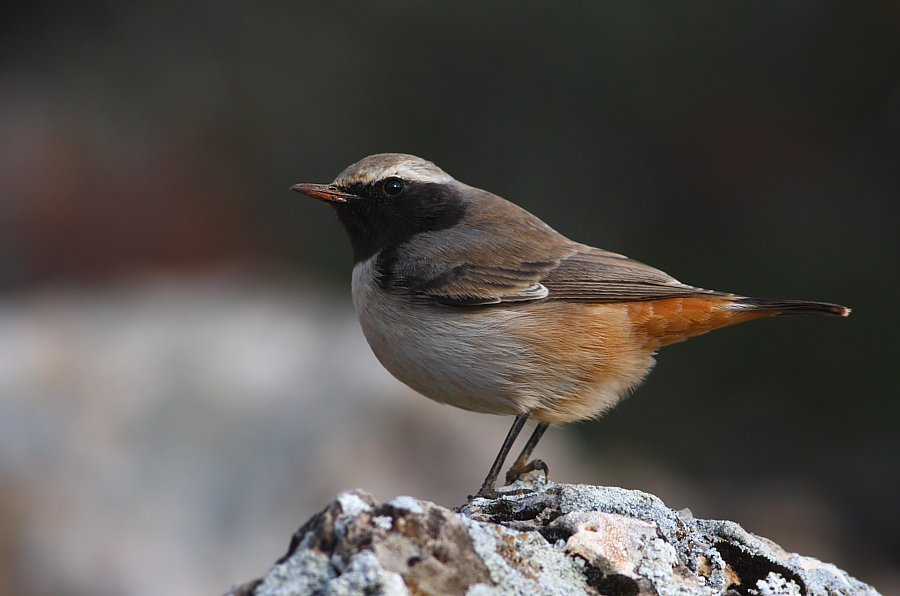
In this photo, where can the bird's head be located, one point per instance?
(385, 199)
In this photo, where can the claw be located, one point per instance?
(516, 472)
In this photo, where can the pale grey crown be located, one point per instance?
(385, 165)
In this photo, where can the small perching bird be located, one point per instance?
(474, 302)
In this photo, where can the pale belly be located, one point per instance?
(562, 361)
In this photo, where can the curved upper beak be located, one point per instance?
(324, 192)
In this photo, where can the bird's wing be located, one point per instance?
(472, 267)
(480, 267)
(594, 275)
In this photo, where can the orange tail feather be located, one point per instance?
(673, 319)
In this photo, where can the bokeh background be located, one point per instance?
(182, 380)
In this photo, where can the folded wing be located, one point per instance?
(480, 268)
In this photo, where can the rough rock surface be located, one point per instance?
(537, 537)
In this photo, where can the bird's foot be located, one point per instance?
(517, 471)
(484, 493)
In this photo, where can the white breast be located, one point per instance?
(561, 361)
(462, 357)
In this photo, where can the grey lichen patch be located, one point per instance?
(365, 575)
(660, 565)
(775, 585)
(358, 546)
(306, 572)
(539, 538)
(524, 563)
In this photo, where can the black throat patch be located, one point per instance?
(378, 223)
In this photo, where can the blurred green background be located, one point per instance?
(745, 147)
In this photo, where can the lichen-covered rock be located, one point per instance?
(537, 537)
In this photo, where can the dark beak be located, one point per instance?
(324, 192)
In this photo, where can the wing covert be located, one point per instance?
(595, 275)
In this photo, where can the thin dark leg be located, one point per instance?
(488, 487)
(522, 465)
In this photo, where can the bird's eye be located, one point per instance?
(393, 186)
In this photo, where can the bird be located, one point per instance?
(474, 302)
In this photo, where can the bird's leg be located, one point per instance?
(522, 465)
(487, 489)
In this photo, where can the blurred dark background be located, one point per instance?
(745, 147)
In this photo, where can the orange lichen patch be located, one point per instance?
(509, 547)
(731, 578)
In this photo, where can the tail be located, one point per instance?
(669, 320)
(791, 307)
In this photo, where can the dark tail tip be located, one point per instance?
(795, 307)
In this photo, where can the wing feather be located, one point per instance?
(594, 275)
(511, 256)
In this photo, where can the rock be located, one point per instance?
(537, 537)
